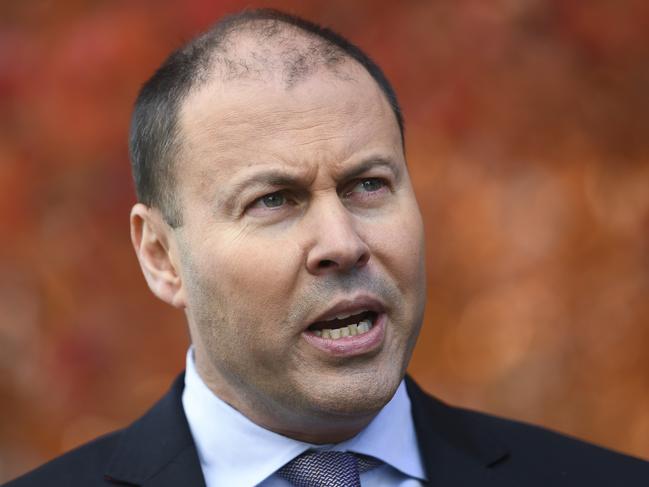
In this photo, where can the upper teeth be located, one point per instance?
(355, 329)
(343, 316)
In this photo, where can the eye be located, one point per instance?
(273, 200)
(372, 184)
(367, 185)
(279, 200)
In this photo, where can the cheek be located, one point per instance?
(255, 276)
(398, 245)
(241, 299)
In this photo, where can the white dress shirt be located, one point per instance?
(234, 451)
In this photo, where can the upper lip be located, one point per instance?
(351, 306)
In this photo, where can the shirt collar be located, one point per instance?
(235, 451)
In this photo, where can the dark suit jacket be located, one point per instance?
(458, 447)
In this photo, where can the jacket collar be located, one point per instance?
(158, 449)
(453, 445)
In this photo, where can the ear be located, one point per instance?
(154, 245)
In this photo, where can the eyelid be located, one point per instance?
(259, 198)
(349, 187)
(295, 195)
(290, 196)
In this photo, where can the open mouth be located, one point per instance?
(344, 325)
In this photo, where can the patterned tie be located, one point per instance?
(327, 469)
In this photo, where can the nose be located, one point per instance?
(336, 244)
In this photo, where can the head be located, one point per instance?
(278, 204)
(154, 141)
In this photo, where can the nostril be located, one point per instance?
(324, 264)
(363, 259)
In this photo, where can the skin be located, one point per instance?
(293, 199)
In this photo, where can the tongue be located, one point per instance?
(336, 323)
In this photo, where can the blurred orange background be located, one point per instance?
(528, 143)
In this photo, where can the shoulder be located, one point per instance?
(517, 453)
(82, 466)
(156, 449)
(536, 449)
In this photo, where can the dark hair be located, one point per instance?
(154, 134)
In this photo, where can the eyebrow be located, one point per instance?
(270, 177)
(279, 178)
(368, 164)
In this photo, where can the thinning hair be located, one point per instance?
(154, 142)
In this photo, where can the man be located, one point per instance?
(275, 208)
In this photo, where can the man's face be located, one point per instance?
(297, 209)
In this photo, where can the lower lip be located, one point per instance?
(352, 345)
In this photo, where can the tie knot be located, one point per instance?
(327, 469)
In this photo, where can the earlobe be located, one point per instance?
(153, 242)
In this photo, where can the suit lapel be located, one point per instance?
(158, 449)
(454, 452)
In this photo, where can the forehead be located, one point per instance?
(229, 126)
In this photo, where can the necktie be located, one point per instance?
(327, 469)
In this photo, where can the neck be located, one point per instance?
(305, 424)
(326, 431)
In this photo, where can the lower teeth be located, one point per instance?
(351, 330)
